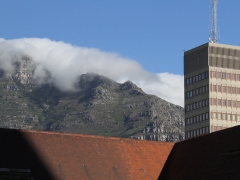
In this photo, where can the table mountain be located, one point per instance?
(97, 105)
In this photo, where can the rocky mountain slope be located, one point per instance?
(98, 106)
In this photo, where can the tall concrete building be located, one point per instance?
(212, 88)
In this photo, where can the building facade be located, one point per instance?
(212, 88)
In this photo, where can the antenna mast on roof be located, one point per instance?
(213, 34)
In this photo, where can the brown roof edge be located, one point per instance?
(80, 135)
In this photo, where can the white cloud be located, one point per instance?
(66, 62)
(168, 86)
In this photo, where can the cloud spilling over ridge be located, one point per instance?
(66, 62)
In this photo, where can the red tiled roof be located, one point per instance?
(213, 156)
(71, 156)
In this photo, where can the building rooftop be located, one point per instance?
(212, 44)
(50, 155)
(212, 156)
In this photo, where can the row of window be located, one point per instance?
(224, 89)
(196, 119)
(225, 116)
(196, 92)
(196, 105)
(217, 128)
(196, 78)
(224, 75)
(197, 132)
(225, 102)
(213, 74)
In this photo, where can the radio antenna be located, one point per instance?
(213, 35)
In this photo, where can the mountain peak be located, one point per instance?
(91, 80)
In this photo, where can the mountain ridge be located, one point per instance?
(98, 105)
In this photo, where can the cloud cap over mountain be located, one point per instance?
(66, 63)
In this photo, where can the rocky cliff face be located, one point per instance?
(100, 106)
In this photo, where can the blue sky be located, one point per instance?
(153, 33)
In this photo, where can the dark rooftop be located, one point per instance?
(212, 156)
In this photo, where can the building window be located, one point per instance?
(219, 116)
(229, 103)
(197, 132)
(190, 94)
(228, 117)
(197, 118)
(207, 115)
(233, 117)
(214, 101)
(238, 90)
(203, 103)
(219, 88)
(238, 77)
(200, 131)
(203, 76)
(238, 104)
(223, 75)
(233, 103)
(224, 103)
(193, 79)
(224, 116)
(238, 117)
(233, 77)
(203, 117)
(187, 81)
(214, 115)
(200, 117)
(214, 74)
(219, 102)
(203, 130)
(199, 77)
(190, 80)
(219, 75)
(196, 92)
(207, 129)
(224, 89)
(196, 78)
(229, 90)
(214, 88)
(200, 104)
(233, 90)
(206, 88)
(191, 121)
(228, 76)
(194, 107)
(206, 74)
(206, 102)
